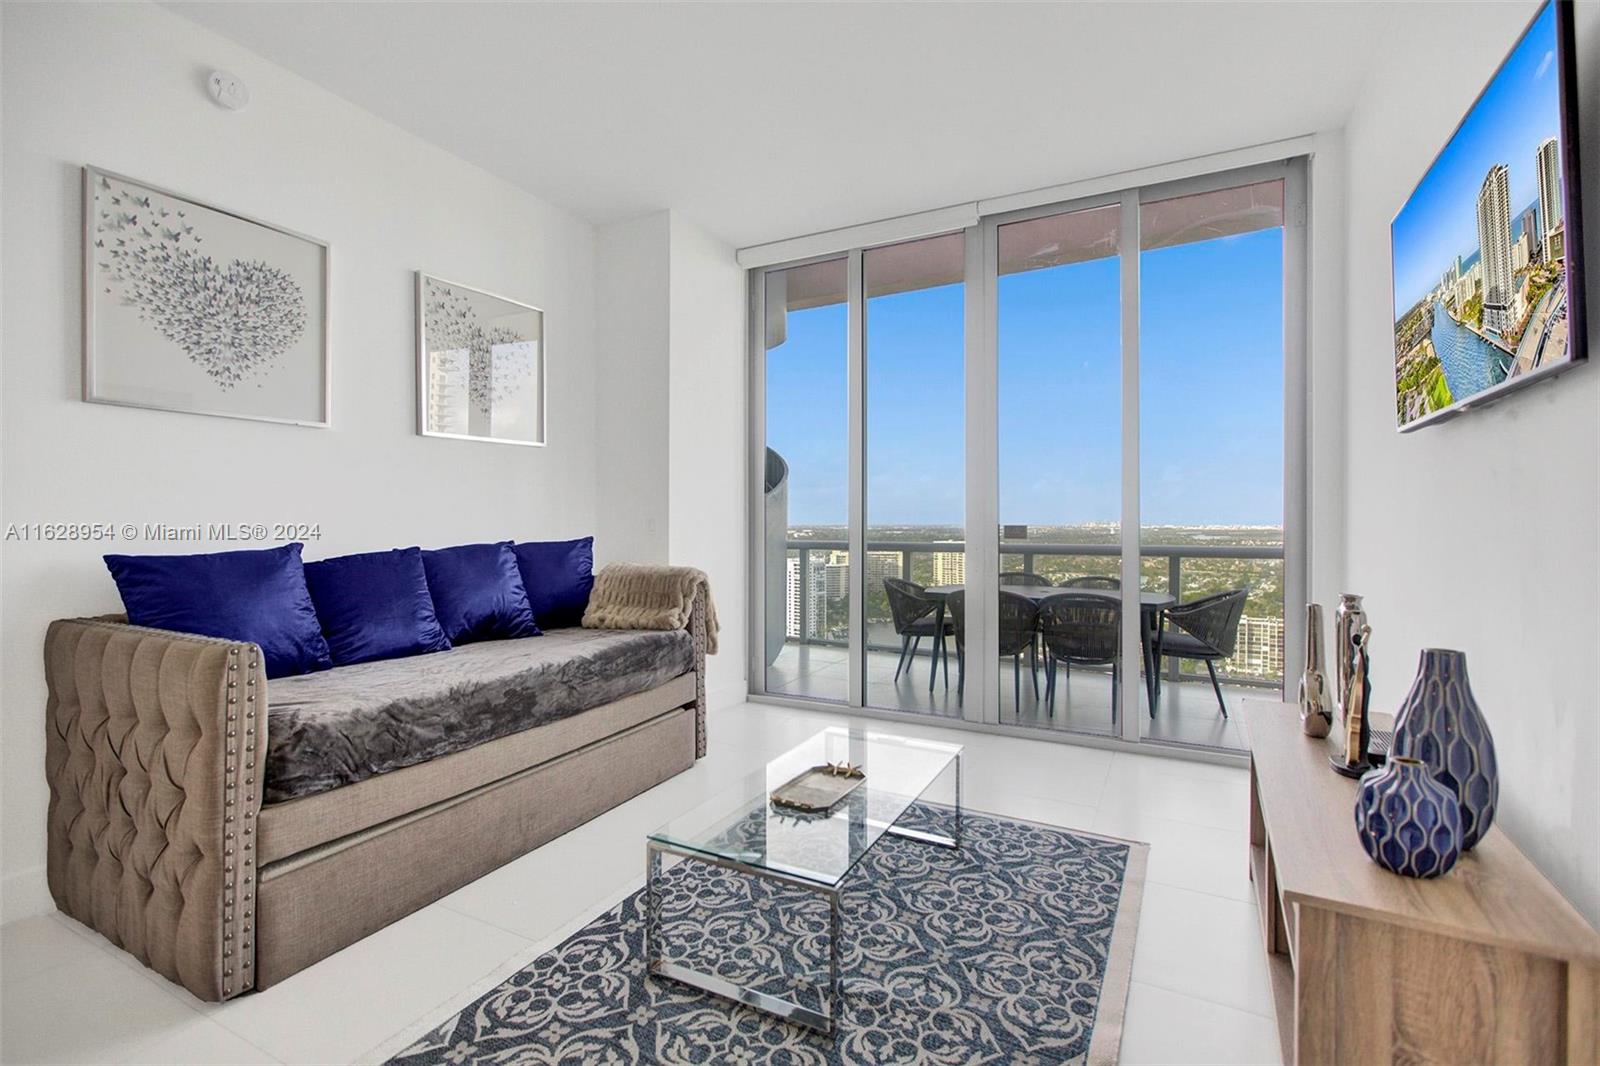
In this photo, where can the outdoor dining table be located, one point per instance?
(1150, 605)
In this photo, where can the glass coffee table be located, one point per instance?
(741, 830)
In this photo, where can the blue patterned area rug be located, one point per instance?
(1014, 949)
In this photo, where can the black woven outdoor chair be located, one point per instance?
(915, 615)
(1207, 629)
(1092, 581)
(1019, 621)
(1018, 577)
(1084, 629)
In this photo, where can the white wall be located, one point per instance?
(1325, 372)
(672, 414)
(631, 417)
(121, 87)
(1479, 533)
(708, 518)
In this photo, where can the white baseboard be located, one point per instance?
(24, 894)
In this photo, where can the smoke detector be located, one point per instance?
(227, 90)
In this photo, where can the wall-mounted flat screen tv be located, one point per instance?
(1487, 251)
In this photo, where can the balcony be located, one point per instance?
(813, 661)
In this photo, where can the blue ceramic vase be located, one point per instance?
(1440, 724)
(1409, 822)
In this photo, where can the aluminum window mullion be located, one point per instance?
(856, 319)
(980, 701)
(756, 484)
(1132, 638)
(1296, 421)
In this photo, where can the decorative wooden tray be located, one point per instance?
(819, 788)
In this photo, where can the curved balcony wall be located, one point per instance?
(777, 503)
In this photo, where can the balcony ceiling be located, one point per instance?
(1047, 241)
(768, 120)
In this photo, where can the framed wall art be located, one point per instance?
(191, 307)
(480, 365)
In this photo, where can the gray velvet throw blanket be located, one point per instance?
(633, 596)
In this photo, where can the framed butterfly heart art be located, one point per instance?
(480, 365)
(190, 307)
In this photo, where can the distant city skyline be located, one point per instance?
(1518, 111)
(1211, 376)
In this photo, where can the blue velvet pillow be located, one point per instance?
(375, 606)
(258, 596)
(558, 575)
(478, 592)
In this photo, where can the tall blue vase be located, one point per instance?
(1408, 821)
(1440, 724)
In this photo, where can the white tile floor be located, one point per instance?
(1199, 994)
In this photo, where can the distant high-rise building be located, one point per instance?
(1259, 651)
(792, 597)
(881, 565)
(447, 391)
(810, 592)
(836, 576)
(950, 568)
(1547, 164)
(830, 590)
(1530, 231)
(1494, 247)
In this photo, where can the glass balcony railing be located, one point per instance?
(817, 600)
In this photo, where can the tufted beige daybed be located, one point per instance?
(173, 834)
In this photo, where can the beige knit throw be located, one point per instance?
(633, 596)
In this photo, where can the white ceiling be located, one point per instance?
(762, 121)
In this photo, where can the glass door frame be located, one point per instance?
(982, 586)
(982, 704)
(1295, 175)
(986, 516)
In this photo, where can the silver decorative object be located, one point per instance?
(1355, 738)
(819, 788)
(1316, 711)
(1347, 621)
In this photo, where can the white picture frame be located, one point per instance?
(164, 275)
(480, 365)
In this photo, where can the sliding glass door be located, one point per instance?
(1059, 360)
(1044, 473)
(1211, 451)
(915, 453)
(806, 510)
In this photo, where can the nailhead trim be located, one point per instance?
(697, 632)
(238, 921)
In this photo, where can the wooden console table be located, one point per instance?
(1487, 964)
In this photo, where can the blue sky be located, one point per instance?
(1211, 403)
(1519, 109)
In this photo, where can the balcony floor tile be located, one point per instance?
(1188, 713)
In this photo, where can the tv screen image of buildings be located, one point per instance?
(1480, 286)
